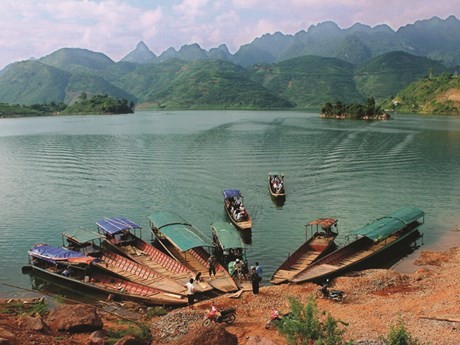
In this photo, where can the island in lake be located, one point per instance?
(368, 111)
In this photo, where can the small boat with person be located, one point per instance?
(90, 243)
(236, 210)
(320, 241)
(374, 243)
(187, 244)
(77, 269)
(123, 236)
(276, 185)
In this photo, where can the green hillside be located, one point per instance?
(209, 84)
(309, 81)
(383, 76)
(77, 60)
(92, 85)
(30, 82)
(431, 95)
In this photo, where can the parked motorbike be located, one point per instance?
(225, 315)
(276, 317)
(335, 295)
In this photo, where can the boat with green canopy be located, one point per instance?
(373, 244)
(228, 244)
(186, 244)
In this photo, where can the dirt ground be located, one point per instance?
(427, 301)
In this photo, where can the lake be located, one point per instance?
(60, 173)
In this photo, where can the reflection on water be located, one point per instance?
(58, 173)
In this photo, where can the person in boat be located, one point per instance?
(238, 269)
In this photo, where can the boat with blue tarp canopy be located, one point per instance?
(236, 210)
(120, 237)
(116, 225)
(58, 263)
(55, 254)
(89, 242)
(376, 244)
(186, 244)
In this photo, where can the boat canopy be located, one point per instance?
(55, 254)
(325, 223)
(228, 235)
(83, 235)
(383, 227)
(178, 231)
(116, 225)
(231, 193)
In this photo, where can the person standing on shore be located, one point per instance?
(254, 280)
(212, 266)
(259, 271)
(190, 292)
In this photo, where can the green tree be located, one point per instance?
(398, 335)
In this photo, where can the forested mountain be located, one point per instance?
(304, 70)
(434, 38)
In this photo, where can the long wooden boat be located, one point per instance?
(276, 185)
(89, 243)
(320, 241)
(76, 269)
(187, 244)
(229, 246)
(124, 237)
(374, 242)
(235, 209)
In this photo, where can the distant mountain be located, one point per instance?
(76, 59)
(385, 75)
(309, 81)
(30, 82)
(142, 54)
(323, 64)
(200, 85)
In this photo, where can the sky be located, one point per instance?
(36, 28)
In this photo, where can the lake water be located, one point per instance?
(60, 173)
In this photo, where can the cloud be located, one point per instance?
(37, 28)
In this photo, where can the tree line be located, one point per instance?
(353, 110)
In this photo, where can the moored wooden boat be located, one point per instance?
(276, 185)
(120, 236)
(322, 233)
(84, 241)
(76, 269)
(372, 243)
(229, 246)
(187, 245)
(235, 209)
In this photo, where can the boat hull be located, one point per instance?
(312, 250)
(358, 255)
(115, 288)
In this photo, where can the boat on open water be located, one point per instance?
(186, 244)
(276, 186)
(90, 243)
(375, 243)
(76, 269)
(320, 235)
(123, 236)
(236, 210)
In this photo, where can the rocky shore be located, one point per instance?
(427, 301)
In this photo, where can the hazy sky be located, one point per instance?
(35, 28)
